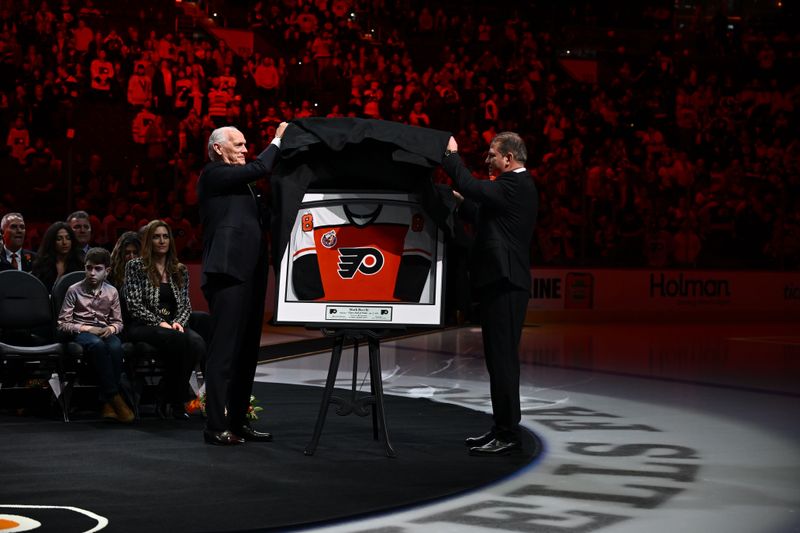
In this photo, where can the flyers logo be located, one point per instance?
(368, 261)
(307, 222)
(49, 518)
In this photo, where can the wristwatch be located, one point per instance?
(448, 153)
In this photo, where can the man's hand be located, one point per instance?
(452, 145)
(281, 128)
(177, 327)
(105, 332)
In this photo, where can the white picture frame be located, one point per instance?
(374, 309)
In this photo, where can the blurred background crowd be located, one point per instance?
(660, 133)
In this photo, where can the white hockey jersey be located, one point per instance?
(361, 252)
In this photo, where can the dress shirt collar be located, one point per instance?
(89, 292)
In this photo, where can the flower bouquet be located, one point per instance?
(199, 404)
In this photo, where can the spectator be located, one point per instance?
(102, 75)
(163, 87)
(418, 117)
(140, 87)
(83, 35)
(267, 79)
(218, 99)
(307, 21)
(19, 139)
(156, 293)
(184, 95)
(58, 254)
(141, 123)
(91, 313)
(127, 247)
(81, 225)
(13, 255)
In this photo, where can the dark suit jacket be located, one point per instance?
(27, 257)
(232, 217)
(504, 214)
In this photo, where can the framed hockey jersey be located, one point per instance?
(361, 259)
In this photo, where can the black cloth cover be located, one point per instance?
(362, 154)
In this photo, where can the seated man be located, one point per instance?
(82, 226)
(12, 255)
(3, 264)
(91, 311)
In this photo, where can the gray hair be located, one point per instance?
(7, 219)
(218, 136)
(77, 215)
(510, 142)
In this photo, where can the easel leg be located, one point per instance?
(336, 356)
(374, 407)
(353, 396)
(376, 380)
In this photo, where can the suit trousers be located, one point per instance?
(502, 310)
(237, 315)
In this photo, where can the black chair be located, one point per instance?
(60, 288)
(80, 371)
(57, 295)
(144, 365)
(29, 350)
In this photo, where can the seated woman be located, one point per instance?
(156, 291)
(128, 247)
(58, 254)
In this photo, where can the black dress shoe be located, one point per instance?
(486, 438)
(221, 438)
(246, 432)
(496, 447)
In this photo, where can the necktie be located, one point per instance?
(14, 261)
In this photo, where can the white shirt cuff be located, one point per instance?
(276, 141)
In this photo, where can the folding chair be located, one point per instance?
(29, 350)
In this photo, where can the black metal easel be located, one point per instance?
(355, 404)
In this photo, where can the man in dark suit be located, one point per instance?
(234, 280)
(12, 255)
(503, 211)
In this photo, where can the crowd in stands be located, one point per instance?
(681, 151)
